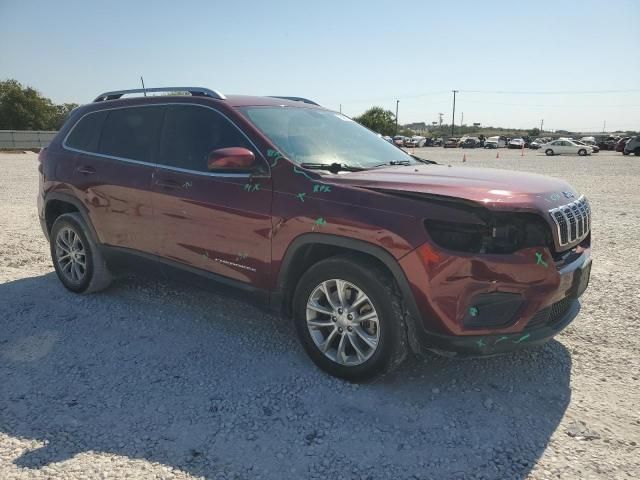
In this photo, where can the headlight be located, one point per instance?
(503, 233)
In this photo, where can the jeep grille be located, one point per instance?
(572, 220)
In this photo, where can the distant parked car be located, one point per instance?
(399, 140)
(632, 146)
(495, 142)
(438, 142)
(516, 143)
(537, 143)
(388, 138)
(621, 143)
(470, 142)
(451, 143)
(564, 147)
(608, 143)
(416, 141)
(594, 147)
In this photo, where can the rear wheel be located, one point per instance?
(76, 258)
(582, 152)
(625, 152)
(349, 318)
(548, 152)
(637, 152)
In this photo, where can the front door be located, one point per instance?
(215, 222)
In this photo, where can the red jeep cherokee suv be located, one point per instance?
(370, 250)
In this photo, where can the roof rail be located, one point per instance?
(296, 99)
(194, 91)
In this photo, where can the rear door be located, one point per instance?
(215, 222)
(115, 163)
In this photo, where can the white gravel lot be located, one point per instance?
(156, 380)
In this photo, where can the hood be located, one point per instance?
(493, 188)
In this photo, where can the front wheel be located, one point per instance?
(349, 318)
(548, 152)
(582, 152)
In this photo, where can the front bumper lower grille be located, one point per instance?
(572, 220)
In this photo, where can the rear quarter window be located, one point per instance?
(85, 134)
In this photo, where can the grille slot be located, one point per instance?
(572, 220)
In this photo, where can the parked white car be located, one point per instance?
(516, 143)
(566, 147)
(416, 141)
(495, 142)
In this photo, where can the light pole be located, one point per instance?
(453, 116)
(541, 124)
(397, 102)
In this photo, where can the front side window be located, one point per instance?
(86, 133)
(191, 133)
(132, 133)
(309, 135)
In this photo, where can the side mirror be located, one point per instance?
(232, 158)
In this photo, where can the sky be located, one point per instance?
(573, 64)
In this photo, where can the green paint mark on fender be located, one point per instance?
(321, 188)
(275, 155)
(301, 196)
(473, 311)
(540, 260)
(522, 338)
(501, 339)
(481, 343)
(320, 222)
(252, 188)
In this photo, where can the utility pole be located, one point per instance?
(144, 90)
(541, 124)
(340, 108)
(453, 116)
(604, 127)
(462, 119)
(441, 114)
(397, 102)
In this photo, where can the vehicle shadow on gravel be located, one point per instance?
(212, 386)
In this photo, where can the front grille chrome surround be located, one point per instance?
(573, 221)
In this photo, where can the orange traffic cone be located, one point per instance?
(522, 151)
(464, 158)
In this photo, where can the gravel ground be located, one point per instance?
(156, 380)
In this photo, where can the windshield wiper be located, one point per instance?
(332, 167)
(393, 162)
(423, 160)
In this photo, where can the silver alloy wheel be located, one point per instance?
(343, 322)
(71, 255)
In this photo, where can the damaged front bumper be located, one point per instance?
(491, 304)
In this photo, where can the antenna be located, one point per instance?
(144, 90)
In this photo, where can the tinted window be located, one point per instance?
(131, 132)
(191, 133)
(86, 133)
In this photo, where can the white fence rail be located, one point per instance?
(24, 139)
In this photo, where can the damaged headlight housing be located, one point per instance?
(501, 233)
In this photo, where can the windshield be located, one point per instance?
(307, 135)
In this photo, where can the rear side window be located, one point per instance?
(132, 133)
(86, 133)
(191, 133)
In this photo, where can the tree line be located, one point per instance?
(24, 108)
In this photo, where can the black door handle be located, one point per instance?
(167, 183)
(86, 170)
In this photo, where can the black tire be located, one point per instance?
(96, 274)
(379, 286)
(548, 152)
(582, 152)
(637, 152)
(625, 152)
